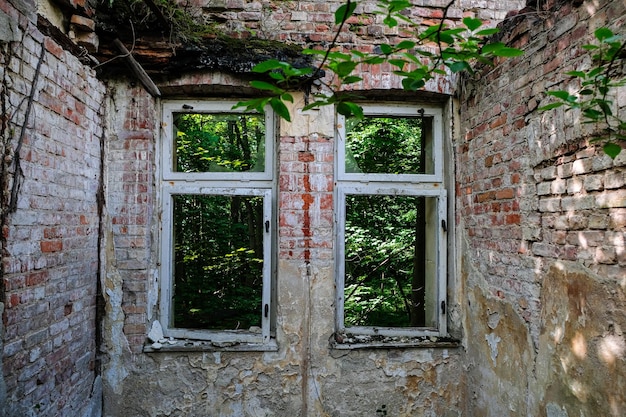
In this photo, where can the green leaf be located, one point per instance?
(595, 72)
(287, 97)
(390, 21)
(400, 63)
(563, 95)
(405, 45)
(339, 56)
(605, 107)
(551, 106)
(508, 52)
(431, 30)
(453, 32)
(386, 49)
(279, 107)
(374, 60)
(297, 72)
(262, 85)
(612, 149)
(579, 74)
(487, 32)
(499, 49)
(269, 65)
(603, 33)
(411, 84)
(398, 5)
(419, 52)
(349, 109)
(592, 114)
(257, 104)
(357, 110)
(345, 68)
(490, 47)
(278, 76)
(472, 24)
(309, 51)
(344, 11)
(351, 79)
(445, 38)
(459, 66)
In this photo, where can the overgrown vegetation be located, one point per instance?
(598, 87)
(436, 49)
(177, 22)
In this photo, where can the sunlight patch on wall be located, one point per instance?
(611, 348)
(579, 346)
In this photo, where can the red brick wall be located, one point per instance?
(535, 196)
(50, 254)
(306, 198)
(130, 162)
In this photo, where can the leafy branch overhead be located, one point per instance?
(597, 86)
(435, 50)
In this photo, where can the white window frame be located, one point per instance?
(426, 185)
(262, 184)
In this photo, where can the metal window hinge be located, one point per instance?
(266, 311)
(444, 225)
(443, 307)
(267, 226)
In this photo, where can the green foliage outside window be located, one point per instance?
(218, 239)
(384, 242)
(219, 143)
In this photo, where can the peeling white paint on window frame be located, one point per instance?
(262, 184)
(428, 185)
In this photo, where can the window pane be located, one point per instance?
(390, 259)
(218, 261)
(388, 145)
(219, 142)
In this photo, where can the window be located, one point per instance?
(391, 222)
(218, 199)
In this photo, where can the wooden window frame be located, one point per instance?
(427, 185)
(261, 184)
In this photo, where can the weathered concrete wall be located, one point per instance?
(542, 221)
(50, 129)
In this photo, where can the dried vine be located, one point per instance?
(11, 164)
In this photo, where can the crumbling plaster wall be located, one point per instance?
(542, 225)
(304, 377)
(50, 127)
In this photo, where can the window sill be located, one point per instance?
(187, 345)
(350, 342)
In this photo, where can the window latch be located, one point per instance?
(443, 307)
(266, 311)
(267, 226)
(444, 225)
